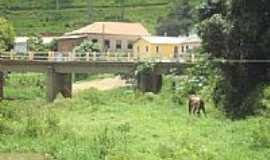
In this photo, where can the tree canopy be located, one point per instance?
(238, 30)
(180, 20)
(7, 35)
(87, 47)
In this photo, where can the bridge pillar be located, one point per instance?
(1, 86)
(59, 83)
(149, 82)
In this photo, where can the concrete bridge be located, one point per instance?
(59, 73)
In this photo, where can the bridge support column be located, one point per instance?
(1, 86)
(149, 82)
(59, 83)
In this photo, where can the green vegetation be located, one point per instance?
(45, 16)
(41, 17)
(87, 47)
(181, 19)
(227, 33)
(7, 34)
(35, 44)
(124, 124)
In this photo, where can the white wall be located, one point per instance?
(20, 47)
(113, 39)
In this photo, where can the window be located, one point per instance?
(183, 49)
(107, 44)
(94, 40)
(175, 50)
(118, 44)
(147, 48)
(157, 49)
(130, 45)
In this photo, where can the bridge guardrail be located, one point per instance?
(91, 57)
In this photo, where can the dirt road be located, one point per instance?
(102, 85)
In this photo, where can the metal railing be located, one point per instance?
(92, 57)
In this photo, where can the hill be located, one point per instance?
(44, 16)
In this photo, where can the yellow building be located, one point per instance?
(165, 47)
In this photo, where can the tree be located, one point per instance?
(238, 30)
(87, 47)
(180, 21)
(7, 35)
(4, 7)
(35, 44)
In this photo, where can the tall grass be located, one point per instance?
(124, 124)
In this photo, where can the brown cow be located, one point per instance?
(196, 105)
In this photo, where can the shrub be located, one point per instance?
(86, 47)
(7, 35)
(41, 123)
(36, 44)
(104, 144)
(5, 128)
(200, 79)
(261, 136)
(8, 112)
(33, 127)
(52, 122)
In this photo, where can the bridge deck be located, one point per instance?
(83, 66)
(59, 70)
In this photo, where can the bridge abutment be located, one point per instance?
(149, 82)
(58, 83)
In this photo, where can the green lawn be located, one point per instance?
(123, 124)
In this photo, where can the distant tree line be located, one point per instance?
(181, 19)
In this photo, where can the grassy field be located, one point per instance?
(42, 16)
(123, 124)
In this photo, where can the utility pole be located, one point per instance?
(121, 5)
(90, 10)
(123, 10)
(57, 4)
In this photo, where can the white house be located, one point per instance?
(113, 36)
(20, 44)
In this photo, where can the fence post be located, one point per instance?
(87, 56)
(192, 58)
(115, 56)
(94, 56)
(160, 57)
(69, 54)
(51, 56)
(108, 56)
(31, 56)
(128, 56)
(11, 56)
